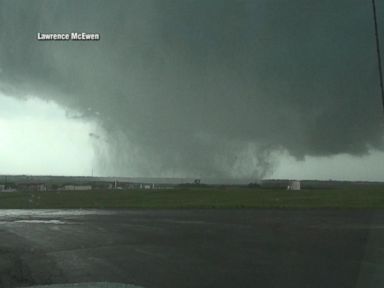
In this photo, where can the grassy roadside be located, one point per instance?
(196, 198)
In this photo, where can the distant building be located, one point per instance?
(34, 187)
(7, 188)
(76, 187)
(102, 185)
(130, 185)
(294, 185)
(147, 186)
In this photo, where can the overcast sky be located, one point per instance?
(234, 89)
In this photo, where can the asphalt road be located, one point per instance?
(193, 248)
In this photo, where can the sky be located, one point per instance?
(231, 89)
(38, 138)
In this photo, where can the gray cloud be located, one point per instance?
(204, 88)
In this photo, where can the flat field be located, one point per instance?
(196, 198)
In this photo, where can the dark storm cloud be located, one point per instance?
(205, 87)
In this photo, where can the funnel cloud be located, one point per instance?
(203, 88)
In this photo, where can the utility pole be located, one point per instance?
(378, 51)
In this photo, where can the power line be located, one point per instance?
(378, 52)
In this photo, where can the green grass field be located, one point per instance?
(196, 198)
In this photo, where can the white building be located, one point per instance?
(294, 185)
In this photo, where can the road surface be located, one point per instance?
(193, 248)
